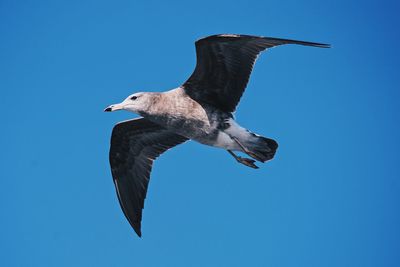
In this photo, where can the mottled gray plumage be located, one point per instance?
(199, 110)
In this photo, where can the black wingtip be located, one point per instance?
(137, 230)
(320, 45)
(323, 45)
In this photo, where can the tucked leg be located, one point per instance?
(244, 161)
(248, 152)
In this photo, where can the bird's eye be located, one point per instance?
(133, 97)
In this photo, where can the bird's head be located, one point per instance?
(137, 103)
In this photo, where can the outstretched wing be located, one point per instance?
(134, 146)
(224, 65)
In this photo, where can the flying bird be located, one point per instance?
(200, 110)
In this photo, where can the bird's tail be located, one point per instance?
(262, 148)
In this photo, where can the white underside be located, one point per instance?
(225, 141)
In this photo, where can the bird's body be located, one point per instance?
(200, 110)
(178, 112)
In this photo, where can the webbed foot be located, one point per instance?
(247, 162)
(244, 161)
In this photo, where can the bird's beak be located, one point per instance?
(113, 107)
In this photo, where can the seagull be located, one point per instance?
(201, 110)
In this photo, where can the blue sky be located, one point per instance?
(329, 198)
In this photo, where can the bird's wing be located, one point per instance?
(134, 146)
(224, 65)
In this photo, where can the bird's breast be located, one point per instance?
(181, 114)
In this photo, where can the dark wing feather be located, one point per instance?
(224, 65)
(134, 146)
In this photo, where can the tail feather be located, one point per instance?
(264, 148)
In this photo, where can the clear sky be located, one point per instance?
(329, 198)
